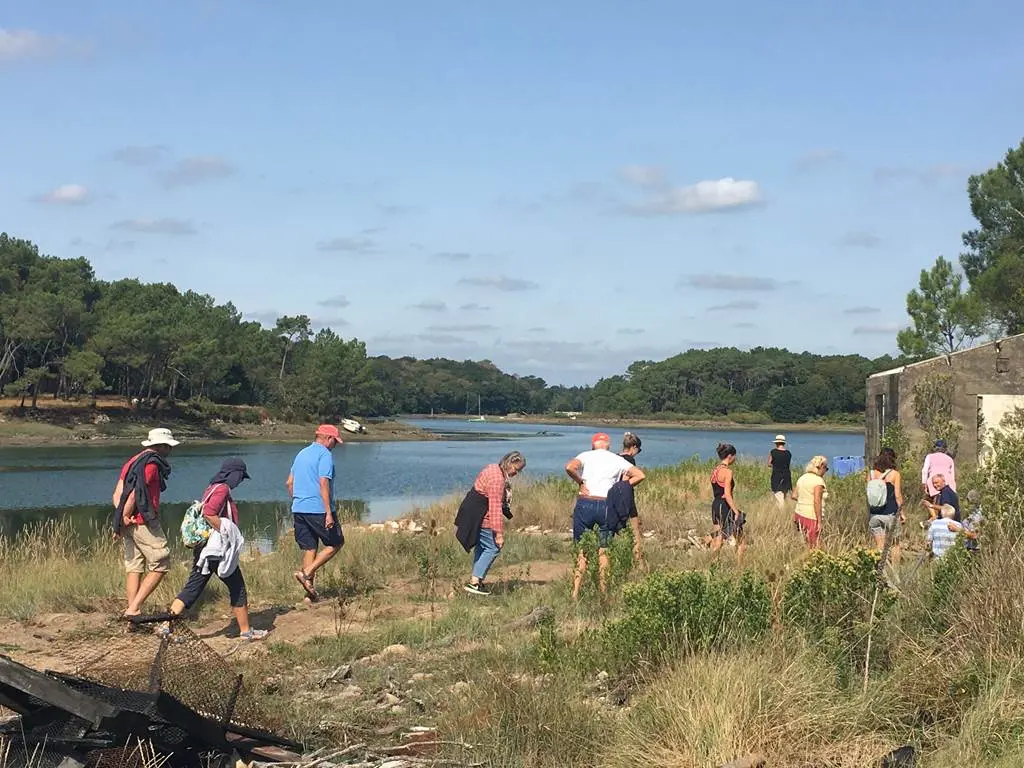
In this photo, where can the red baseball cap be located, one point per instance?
(328, 430)
(600, 437)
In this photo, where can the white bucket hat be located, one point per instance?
(160, 436)
(780, 438)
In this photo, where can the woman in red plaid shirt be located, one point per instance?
(493, 485)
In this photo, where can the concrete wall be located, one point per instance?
(995, 369)
(888, 388)
(992, 410)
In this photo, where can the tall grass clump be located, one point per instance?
(49, 567)
(837, 603)
(672, 613)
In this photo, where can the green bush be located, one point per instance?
(832, 599)
(672, 612)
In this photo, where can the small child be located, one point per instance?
(943, 530)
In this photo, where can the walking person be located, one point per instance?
(622, 493)
(311, 488)
(727, 520)
(885, 510)
(810, 500)
(219, 555)
(780, 460)
(938, 462)
(480, 522)
(136, 518)
(595, 472)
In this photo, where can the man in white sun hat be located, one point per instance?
(136, 518)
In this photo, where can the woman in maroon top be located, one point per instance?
(217, 506)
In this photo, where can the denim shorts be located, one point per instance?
(587, 514)
(311, 530)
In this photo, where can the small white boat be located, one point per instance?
(351, 425)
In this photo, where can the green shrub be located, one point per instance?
(672, 612)
(620, 556)
(832, 599)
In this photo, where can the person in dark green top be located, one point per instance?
(780, 460)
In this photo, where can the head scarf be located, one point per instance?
(232, 472)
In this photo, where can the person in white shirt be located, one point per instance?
(595, 472)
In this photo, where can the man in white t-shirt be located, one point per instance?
(595, 472)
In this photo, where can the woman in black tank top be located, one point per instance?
(726, 519)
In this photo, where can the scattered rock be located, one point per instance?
(648, 534)
(344, 672)
(602, 677)
(461, 688)
(533, 618)
(393, 651)
(350, 692)
(565, 536)
(397, 709)
(419, 677)
(531, 530)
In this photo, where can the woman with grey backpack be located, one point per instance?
(885, 502)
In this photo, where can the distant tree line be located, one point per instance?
(65, 334)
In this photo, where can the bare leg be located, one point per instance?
(879, 541)
(146, 588)
(242, 617)
(131, 589)
(313, 562)
(716, 538)
(577, 577)
(603, 564)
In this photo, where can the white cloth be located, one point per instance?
(601, 470)
(224, 545)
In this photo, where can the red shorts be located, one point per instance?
(809, 528)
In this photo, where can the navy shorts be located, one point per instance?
(587, 514)
(310, 531)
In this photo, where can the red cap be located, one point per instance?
(600, 437)
(328, 430)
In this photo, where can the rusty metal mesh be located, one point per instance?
(181, 665)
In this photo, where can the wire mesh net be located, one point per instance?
(179, 664)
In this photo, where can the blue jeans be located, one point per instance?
(484, 554)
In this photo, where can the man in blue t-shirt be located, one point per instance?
(311, 488)
(945, 496)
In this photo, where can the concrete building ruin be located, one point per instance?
(986, 382)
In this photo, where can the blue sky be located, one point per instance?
(559, 187)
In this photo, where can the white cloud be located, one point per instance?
(882, 329)
(646, 176)
(196, 170)
(816, 158)
(730, 306)
(430, 305)
(67, 194)
(474, 307)
(348, 245)
(724, 194)
(26, 44)
(139, 155)
(630, 331)
(861, 310)
(334, 302)
(720, 282)
(464, 328)
(164, 226)
(509, 284)
(453, 255)
(860, 239)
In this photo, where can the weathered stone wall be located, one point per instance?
(991, 369)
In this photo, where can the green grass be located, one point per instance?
(699, 685)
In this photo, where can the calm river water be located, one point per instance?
(379, 480)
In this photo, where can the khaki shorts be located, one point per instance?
(145, 548)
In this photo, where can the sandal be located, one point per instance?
(307, 584)
(253, 634)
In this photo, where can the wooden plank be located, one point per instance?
(52, 691)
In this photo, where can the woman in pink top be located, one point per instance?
(938, 462)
